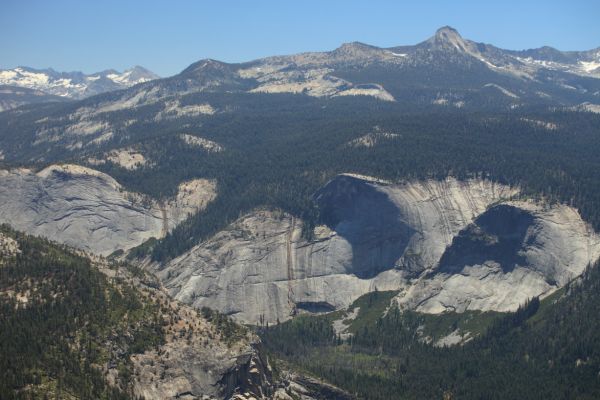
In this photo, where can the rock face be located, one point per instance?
(8, 247)
(510, 253)
(200, 363)
(89, 210)
(444, 244)
(128, 158)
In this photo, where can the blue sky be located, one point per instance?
(167, 36)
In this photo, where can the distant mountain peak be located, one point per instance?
(356, 50)
(138, 74)
(207, 66)
(355, 45)
(447, 30)
(448, 37)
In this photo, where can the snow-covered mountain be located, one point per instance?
(74, 85)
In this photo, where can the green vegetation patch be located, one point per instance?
(547, 349)
(62, 320)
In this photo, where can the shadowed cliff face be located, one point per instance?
(368, 220)
(444, 245)
(497, 235)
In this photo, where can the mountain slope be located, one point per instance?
(443, 72)
(81, 326)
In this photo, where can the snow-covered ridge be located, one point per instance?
(74, 85)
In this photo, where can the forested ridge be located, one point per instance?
(62, 320)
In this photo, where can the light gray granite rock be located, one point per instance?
(87, 209)
(382, 236)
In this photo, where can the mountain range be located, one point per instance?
(446, 61)
(403, 222)
(445, 71)
(73, 85)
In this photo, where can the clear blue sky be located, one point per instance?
(167, 36)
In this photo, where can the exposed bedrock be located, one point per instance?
(512, 252)
(369, 221)
(89, 210)
(445, 245)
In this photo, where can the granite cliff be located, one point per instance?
(445, 245)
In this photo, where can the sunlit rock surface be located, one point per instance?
(446, 245)
(89, 210)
